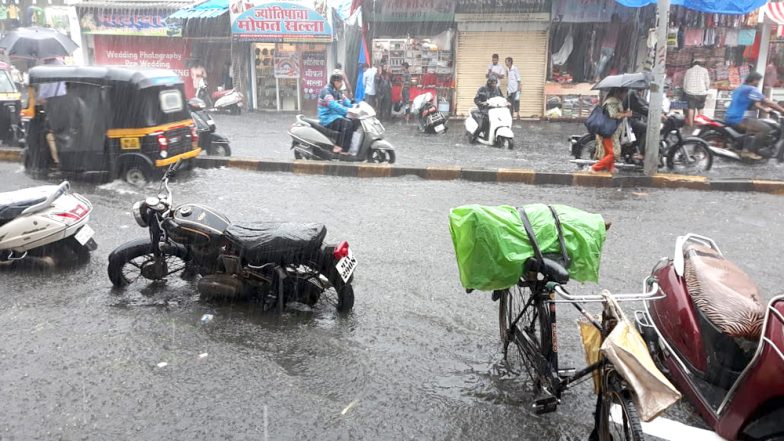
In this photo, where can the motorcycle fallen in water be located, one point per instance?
(499, 132)
(430, 119)
(211, 142)
(43, 224)
(277, 264)
(718, 343)
(311, 140)
(677, 153)
(728, 142)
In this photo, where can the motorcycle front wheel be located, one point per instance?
(693, 155)
(135, 261)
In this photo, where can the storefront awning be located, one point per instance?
(775, 12)
(208, 9)
(736, 7)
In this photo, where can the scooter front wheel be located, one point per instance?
(505, 143)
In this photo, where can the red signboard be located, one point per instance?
(314, 73)
(154, 52)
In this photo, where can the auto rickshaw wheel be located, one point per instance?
(136, 173)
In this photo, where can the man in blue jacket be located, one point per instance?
(333, 106)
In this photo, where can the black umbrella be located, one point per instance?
(641, 80)
(37, 43)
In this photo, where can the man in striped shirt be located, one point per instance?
(695, 85)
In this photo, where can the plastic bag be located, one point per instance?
(627, 134)
(491, 245)
(627, 351)
(591, 337)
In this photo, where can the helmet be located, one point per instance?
(492, 79)
(336, 75)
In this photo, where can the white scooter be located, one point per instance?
(499, 133)
(229, 100)
(430, 119)
(37, 222)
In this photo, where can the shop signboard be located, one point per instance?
(314, 74)
(416, 10)
(286, 64)
(503, 6)
(278, 22)
(130, 22)
(584, 11)
(161, 53)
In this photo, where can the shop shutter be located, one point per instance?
(529, 51)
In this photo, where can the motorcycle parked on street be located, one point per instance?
(499, 132)
(275, 263)
(688, 154)
(37, 223)
(728, 142)
(430, 119)
(717, 342)
(213, 143)
(311, 140)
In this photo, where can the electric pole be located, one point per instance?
(652, 138)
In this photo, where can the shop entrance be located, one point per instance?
(277, 76)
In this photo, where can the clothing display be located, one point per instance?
(746, 37)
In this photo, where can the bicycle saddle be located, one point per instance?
(553, 270)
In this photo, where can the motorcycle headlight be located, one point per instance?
(139, 210)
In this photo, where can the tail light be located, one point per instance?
(341, 251)
(163, 143)
(194, 136)
(76, 213)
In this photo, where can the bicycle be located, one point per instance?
(531, 304)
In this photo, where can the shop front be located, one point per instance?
(287, 45)
(125, 35)
(517, 29)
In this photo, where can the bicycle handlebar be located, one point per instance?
(650, 290)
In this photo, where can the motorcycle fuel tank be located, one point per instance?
(196, 224)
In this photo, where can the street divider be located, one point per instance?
(450, 173)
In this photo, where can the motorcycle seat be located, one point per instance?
(724, 294)
(272, 242)
(13, 203)
(316, 124)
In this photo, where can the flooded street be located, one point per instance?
(418, 358)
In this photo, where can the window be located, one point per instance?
(171, 101)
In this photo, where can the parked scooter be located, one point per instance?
(728, 142)
(499, 133)
(717, 342)
(213, 143)
(36, 223)
(274, 263)
(221, 100)
(311, 140)
(430, 119)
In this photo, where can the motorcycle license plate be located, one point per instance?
(84, 234)
(439, 128)
(346, 266)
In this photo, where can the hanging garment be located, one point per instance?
(710, 37)
(746, 37)
(721, 36)
(692, 37)
(731, 39)
(752, 52)
(559, 58)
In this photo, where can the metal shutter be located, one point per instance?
(529, 51)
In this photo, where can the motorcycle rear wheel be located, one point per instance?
(131, 263)
(691, 155)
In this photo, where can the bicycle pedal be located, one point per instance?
(545, 405)
(566, 373)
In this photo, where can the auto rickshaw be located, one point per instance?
(113, 122)
(10, 108)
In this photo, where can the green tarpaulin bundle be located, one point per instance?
(491, 244)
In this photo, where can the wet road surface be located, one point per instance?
(417, 359)
(543, 146)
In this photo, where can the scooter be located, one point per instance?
(499, 133)
(311, 140)
(213, 143)
(36, 223)
(717, 342)
(276, 264)
(728, 142)
(430, 119)
(230, 100)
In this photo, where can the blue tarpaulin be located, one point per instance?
(208, 9)
(736, 7)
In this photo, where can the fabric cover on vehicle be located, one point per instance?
(13, 203)
(271, 242)
(725, 294)
(491, 244)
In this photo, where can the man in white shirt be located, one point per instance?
(496, 69)
(369, 81)
(695, 85)
(514, 86)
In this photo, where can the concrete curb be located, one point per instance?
(503, 175)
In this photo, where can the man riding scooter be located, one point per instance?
(489, 90)
(746, 99)
(333, 106)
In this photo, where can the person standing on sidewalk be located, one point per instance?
(406, 89)
(609, 148)
(369, 81)
(496, 69)
(695, 85)
(514, 86)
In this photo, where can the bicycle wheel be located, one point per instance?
(531, 339)
(619, 419)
